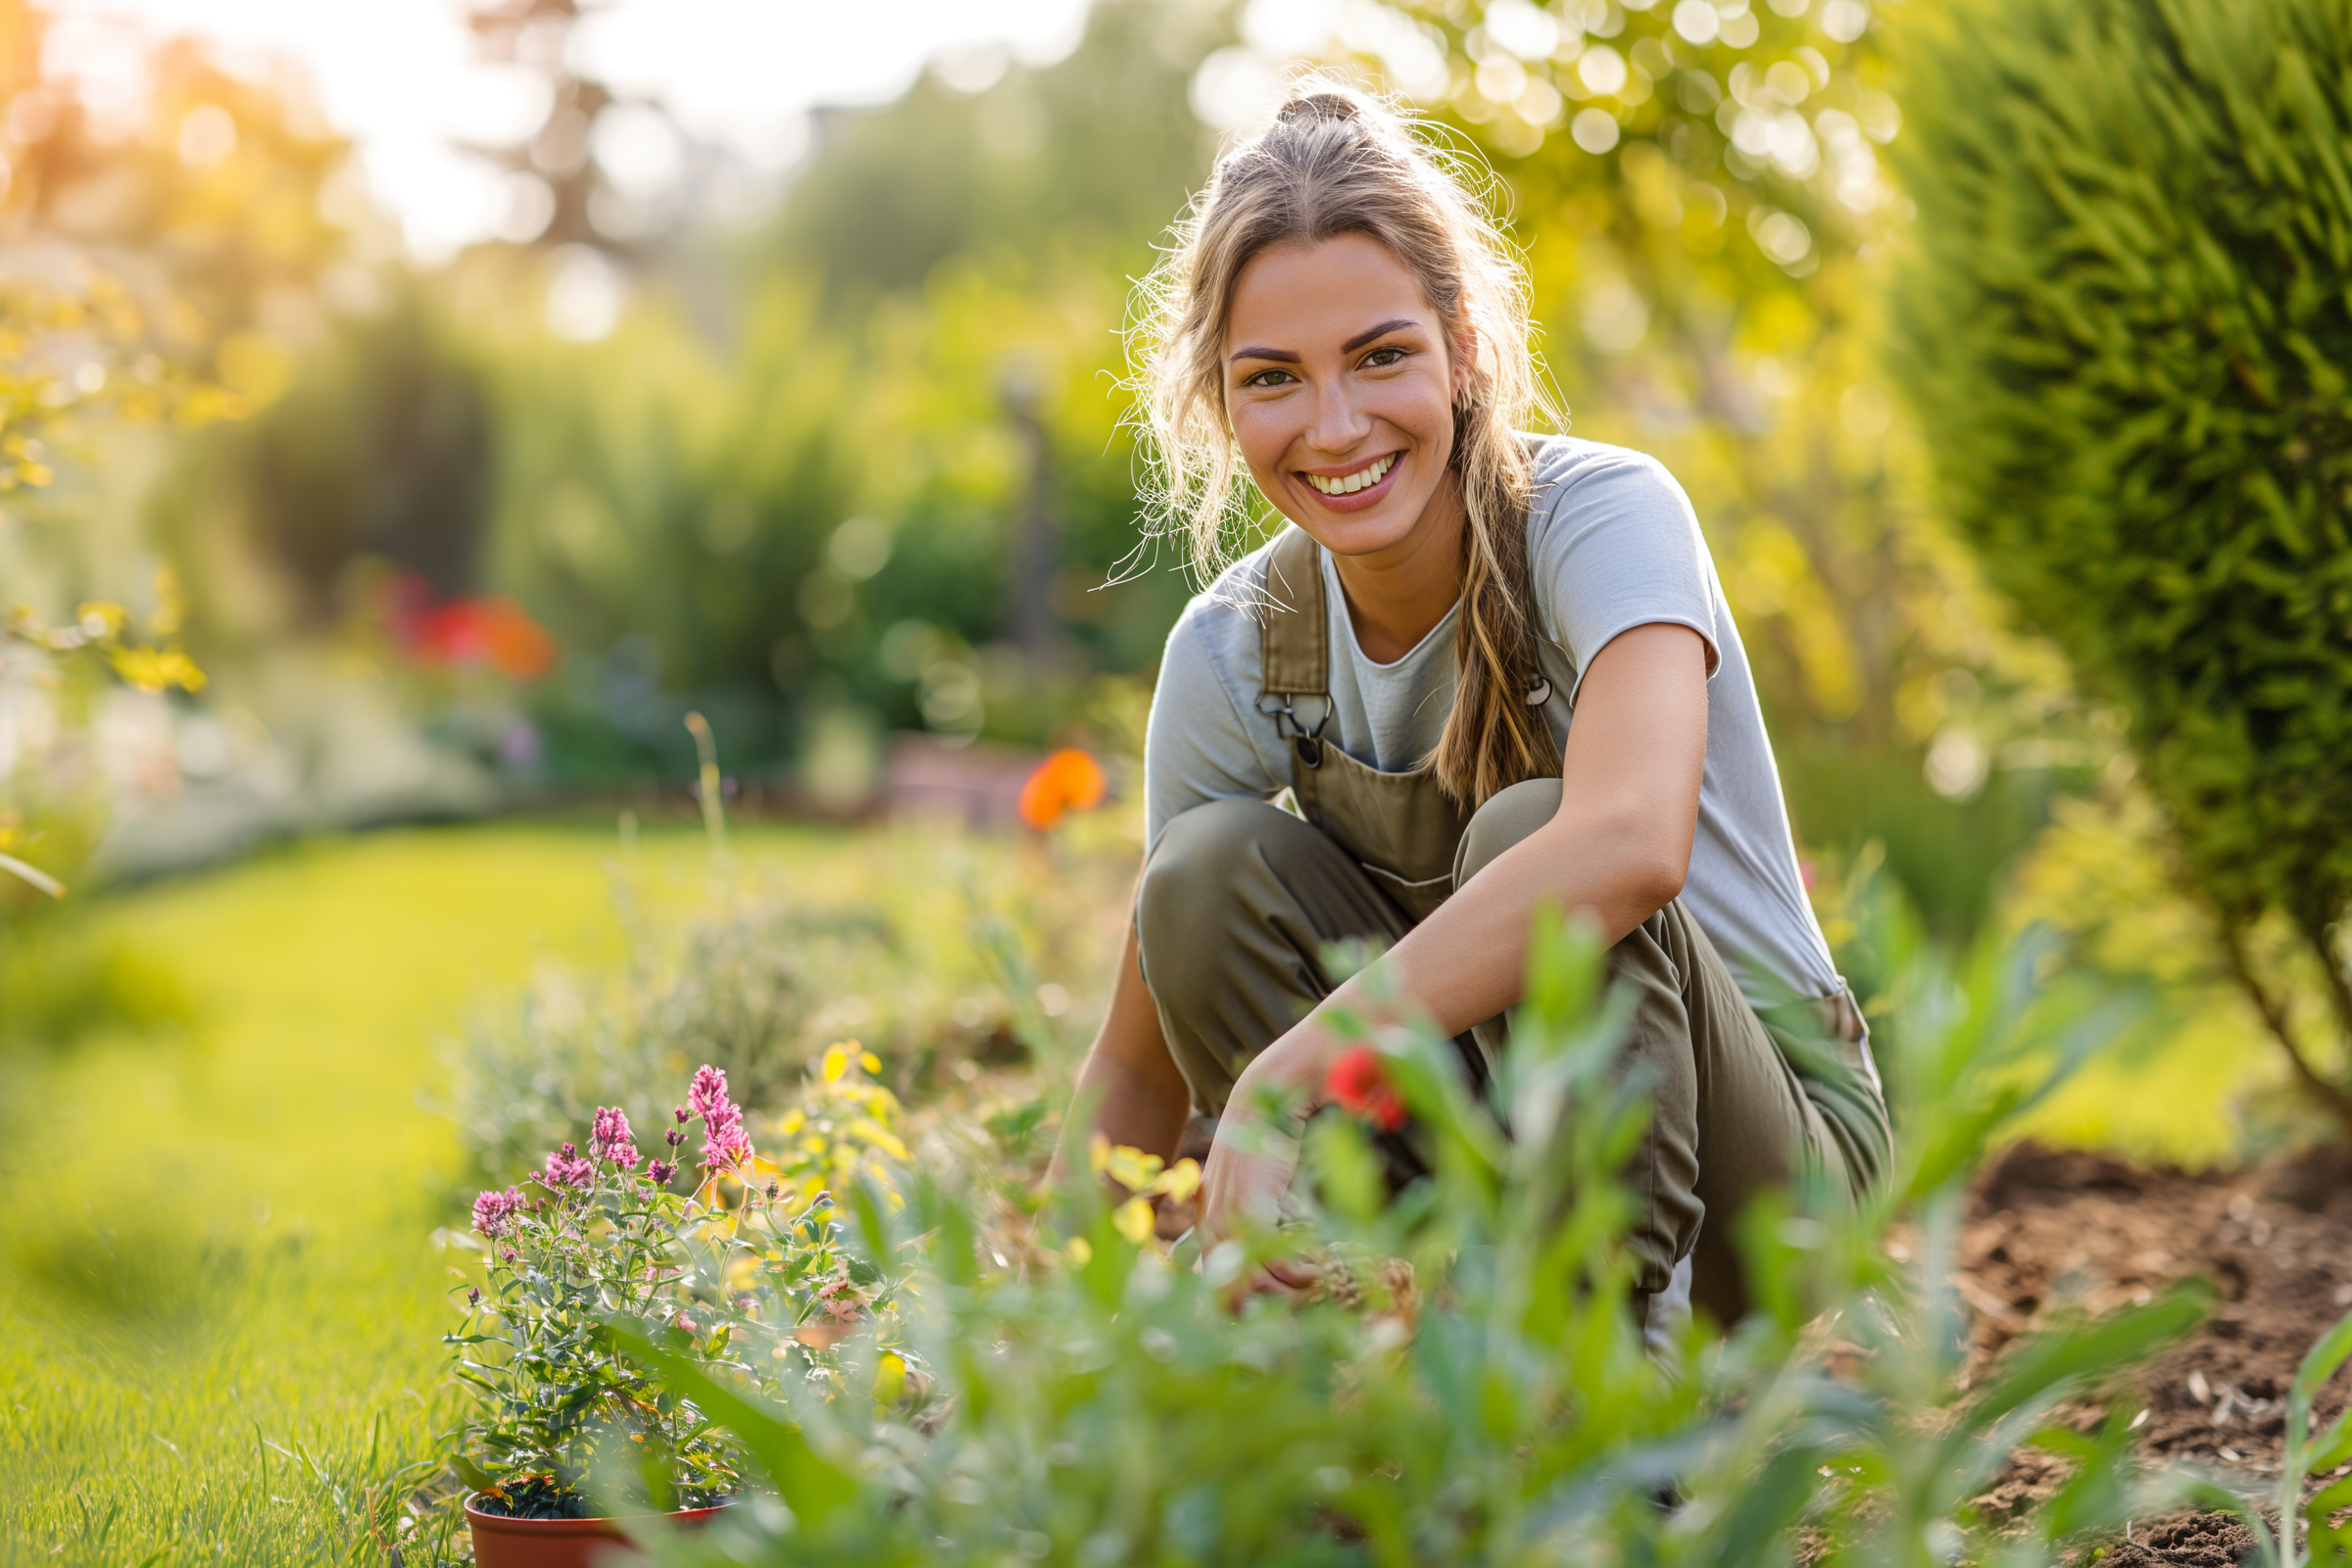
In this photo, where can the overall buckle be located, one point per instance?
(1307, 742)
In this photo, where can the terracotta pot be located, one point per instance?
(500, 1542)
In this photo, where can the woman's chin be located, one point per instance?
(1355, 531)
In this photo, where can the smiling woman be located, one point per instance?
(1363, 730)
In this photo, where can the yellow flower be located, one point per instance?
(1179, 1181)
(890, 1378)
(1134, 1220)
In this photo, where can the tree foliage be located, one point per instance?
(2127, 327)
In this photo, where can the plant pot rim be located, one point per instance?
(597, 1524)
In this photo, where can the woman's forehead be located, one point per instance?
(1301, 292)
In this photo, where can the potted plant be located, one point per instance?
(748, 1279)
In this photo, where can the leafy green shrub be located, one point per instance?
(740, 987)
(2125, 324)
(1471, 1386)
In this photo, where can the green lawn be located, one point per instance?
(219, 1299)
(218, 1304)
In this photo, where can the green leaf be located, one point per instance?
(2060, 1355)
(2320, 1364)
(810, 1484)
(474, 1475)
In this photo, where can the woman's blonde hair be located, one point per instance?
(1337, 161)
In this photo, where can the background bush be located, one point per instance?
(2126, 327)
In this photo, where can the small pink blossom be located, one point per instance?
(708, 1089)
(725, 1145)
(494, 1212)
(611, 1138)
(566, 1168)
(659, 1172)
(842, 1300)
(686, 1323)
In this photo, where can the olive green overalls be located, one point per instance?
(1240, 897)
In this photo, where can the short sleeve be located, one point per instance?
(1614, 545)
(1197, 743)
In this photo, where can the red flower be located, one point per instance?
(492, 630)
(1359, 1082)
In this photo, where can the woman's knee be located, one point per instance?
(1198, 869)
(1510, 816)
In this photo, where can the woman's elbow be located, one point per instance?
(1661, 882)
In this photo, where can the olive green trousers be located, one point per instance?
(1239, 898)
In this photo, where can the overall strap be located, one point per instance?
(1296, 636)
(1296, 654)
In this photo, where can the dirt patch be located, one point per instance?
(2049, 1231)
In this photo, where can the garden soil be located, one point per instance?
(2050, 1230)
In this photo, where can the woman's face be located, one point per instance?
(1341, 392)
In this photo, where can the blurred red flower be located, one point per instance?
(490, 630)
(1067, 780)
(1360, 1081)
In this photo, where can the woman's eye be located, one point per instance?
(1267, 378)
(1380, 358)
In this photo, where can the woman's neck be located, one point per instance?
(1395, 595)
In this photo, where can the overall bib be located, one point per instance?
(1240, 897)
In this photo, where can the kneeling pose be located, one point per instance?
(1481, 673)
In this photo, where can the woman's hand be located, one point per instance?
(1253, 1161)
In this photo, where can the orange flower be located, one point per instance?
(1067, 780)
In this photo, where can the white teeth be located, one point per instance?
(1362, 479)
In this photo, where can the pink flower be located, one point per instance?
(611, 1138)
(709, 1090)
(842, 1300)
(659, 1172)
(493, 1212)
(725, 1145)
(566, 1168)
(685, 1322)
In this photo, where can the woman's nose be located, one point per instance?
(1338, 423)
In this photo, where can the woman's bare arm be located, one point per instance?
(1128, 1089)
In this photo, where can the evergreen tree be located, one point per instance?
(2128, 325)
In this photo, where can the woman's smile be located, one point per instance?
(1357, 488)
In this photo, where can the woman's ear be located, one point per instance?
(1465, 358)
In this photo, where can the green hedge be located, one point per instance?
(2127, 318)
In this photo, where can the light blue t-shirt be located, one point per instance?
(1613, 544)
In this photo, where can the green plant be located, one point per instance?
(1468, 1384)
(734, 1274)
(2123, 320)
(740, 985)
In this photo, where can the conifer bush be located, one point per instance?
(2127, 322)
